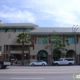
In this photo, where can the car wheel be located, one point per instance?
(43, 64)
(33, 65)
(56, 64)
(0, 66)
(70, 64)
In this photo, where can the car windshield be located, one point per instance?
(61, 60)
(39, 61)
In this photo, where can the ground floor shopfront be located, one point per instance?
(15, 51)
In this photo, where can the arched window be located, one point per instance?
(42, 55)
(70, 53)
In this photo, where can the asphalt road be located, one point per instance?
(39, 73)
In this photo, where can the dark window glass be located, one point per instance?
(28, 29)
(2, 30)
(10, 30)
(42, 39)
(70, 39)
(19, 30)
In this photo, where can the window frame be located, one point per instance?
(72, 38)
(12, 30)
(42, 37)
(19, 30)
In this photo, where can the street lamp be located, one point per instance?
(74, 30)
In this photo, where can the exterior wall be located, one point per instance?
(38, 47)
(72, 47)
(7, 38)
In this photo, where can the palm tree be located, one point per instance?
(23, 38)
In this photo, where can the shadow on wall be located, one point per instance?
(14, 41)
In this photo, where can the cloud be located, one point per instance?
(63, 11)
(16, 15)
(58, 12)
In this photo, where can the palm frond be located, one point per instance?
(23, 37)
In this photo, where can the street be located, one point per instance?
(39, 72)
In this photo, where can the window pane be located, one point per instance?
(41, 41)
(19, 30)
(28, 29)
(10, 30)
(71, 39)
(56, 39)
(2, 30)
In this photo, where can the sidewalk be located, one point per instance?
(19, 63)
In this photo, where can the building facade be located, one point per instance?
(35, 50)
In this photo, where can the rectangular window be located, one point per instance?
(42, 39)
(28, 29)
(70, 39)
(10, 30)
(18, 48)
(56, 39)
(19, 30)
(2, 30)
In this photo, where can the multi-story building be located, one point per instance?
(36, 50)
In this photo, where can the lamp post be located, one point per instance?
(74, 30)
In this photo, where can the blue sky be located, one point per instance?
(44, 13)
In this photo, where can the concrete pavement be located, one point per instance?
(39, 72)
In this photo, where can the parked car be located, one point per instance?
(64, 61)
(38, 63)
(4, 64)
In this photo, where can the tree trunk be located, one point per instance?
(29, 54)
(22, 53)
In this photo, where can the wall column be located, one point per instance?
(49, 39)
(77, 38)
(35, 39)
(5, 52)
(78, 59)
(29, 53)
(8, 52)
(50, 59)
(63, 38)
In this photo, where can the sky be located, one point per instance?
(44, 13)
